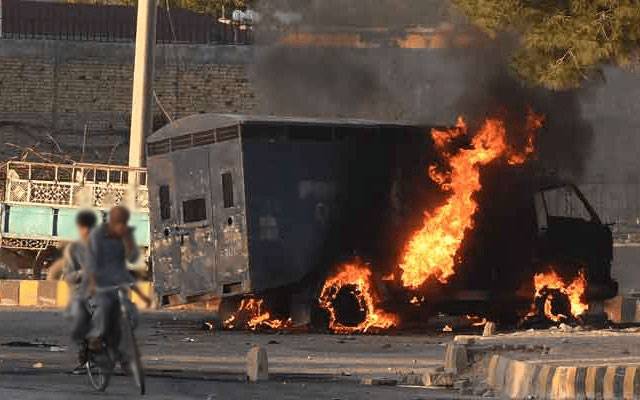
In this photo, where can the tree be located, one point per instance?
(562, 42)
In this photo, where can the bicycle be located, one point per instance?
(100, 365)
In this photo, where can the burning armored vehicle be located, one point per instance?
(376, 223)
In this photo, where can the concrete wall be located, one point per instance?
(56, 294)
(56, 88)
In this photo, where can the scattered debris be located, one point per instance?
(412, 379)
(438, 378)
(565, 328)
(380, 381)
(447, 328)
(480, 389)
(461, 384)
(273, 342)
(38, 365)
(208, 326)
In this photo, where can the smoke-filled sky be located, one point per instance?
(431, 86)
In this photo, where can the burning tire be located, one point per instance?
(352, 302)
(557, 300)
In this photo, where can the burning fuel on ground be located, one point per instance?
(253, 315)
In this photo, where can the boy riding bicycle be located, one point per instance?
(109, 248)
(71, 268)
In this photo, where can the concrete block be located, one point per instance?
(257, 365)
(622, 309)
(28, 293)
(456, 358)
(63, 294)
(465, 339)
(147, 289)
(9, 293)
(489, 329)
(438, 378)
(47, 293)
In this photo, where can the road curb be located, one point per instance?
(51, 294)
(517, 379)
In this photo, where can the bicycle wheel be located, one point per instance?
(99, 372)
(135, 363)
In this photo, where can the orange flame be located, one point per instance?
(431, 250)
(358, 278)
(574, 291)
(252, 315)
(533, 124)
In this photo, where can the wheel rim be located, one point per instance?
(98, 376)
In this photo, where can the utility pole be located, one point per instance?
(141, 106)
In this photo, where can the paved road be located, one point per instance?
(186, 362)
(65, 387)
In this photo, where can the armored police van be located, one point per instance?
(268, 205)
(243, 204)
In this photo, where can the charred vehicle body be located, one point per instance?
(527, 224)
(244, 205)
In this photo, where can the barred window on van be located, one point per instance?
(194, 210)
(227, 190)
(165, 202)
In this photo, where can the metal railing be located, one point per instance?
(76, 185)
(88, 22)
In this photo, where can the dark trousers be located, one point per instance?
(106, 319)
(81, 319)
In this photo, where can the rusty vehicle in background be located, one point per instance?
(248, 205)
(41, 201)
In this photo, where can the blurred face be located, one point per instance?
(118, 220)
(118, 229)
(84, 232)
